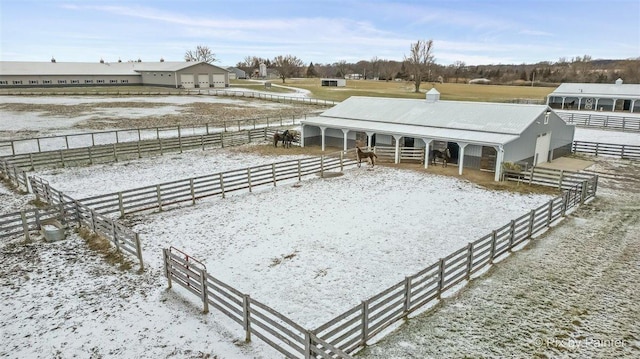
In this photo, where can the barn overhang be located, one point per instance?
(426, 133)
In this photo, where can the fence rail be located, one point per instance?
(27, 221)
(190, 190)
(256, 318)
(619, 123)
(132, 135)
(630, 152)
(407, 154)
(75, 211)
(270, 97)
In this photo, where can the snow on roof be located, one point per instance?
(416, 131)
(24, 68)
(597, 90)
(496, 118)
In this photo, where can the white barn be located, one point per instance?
(617, 97)
(18, 74)
(479, 135)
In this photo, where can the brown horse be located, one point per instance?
(444, 154)
(286, 137)
(365, 154)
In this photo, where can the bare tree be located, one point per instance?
(287, 66)
(341, 68)
(459, 69)
(375, 67)
(201, 53)
(420, 60)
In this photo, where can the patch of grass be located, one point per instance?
(105, 248)
(405, 89)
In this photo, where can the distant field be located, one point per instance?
(404, 89)
(448, 91)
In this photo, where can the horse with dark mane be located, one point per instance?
(285, 137)
(365, 154)
(445, 155)
(569, 105)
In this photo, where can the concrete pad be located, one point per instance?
(567, 164)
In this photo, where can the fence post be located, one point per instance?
(493, 246)
(203, 288)
(322, 166)
(532, 215)
(583, 192)
(160, 145)
(307, 345)
(31, 160)
(249, 178)
(25, 225)
(120, 206)
(167, 271)
(511, 234)
(531, 174)
(441, 279)
(273, 173)
(341, 158)
(245, 318)
(159, 195)
(114, 235)
(565, 202)
(407, 296)
(560, 179)
(469, 259)
(139, 152)
(115, 152)
(62, 158)
(622, 152)
(193, 193)
(365, 322)
(549, 213)
(221, 184)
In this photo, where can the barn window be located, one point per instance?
(75, 81)
(124, 81)
(546, 117)
(62, 81)
(33, 82)
(4, 82)
(17, 82)
(113, 81)
(43, 81)
(88, 81)
(100, 81)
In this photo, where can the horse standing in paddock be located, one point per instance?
(365, 154)
(285, 137)
(444, 154)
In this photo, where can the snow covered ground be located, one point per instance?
(607, 136)
(381, 230)
(310, 251)
(571, 294)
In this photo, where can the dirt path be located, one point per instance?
(572, 293)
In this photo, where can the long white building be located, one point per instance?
(17, 74)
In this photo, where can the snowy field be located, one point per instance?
(605, 136)
(310, 251)
(277, 245)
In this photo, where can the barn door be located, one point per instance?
(543, 142)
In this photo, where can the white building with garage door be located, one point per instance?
(479, 135)
(162, 73)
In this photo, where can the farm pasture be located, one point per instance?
(310, 249)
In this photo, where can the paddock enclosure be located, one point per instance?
(379, 227)
(304, 249)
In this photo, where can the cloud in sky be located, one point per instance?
(476, 32)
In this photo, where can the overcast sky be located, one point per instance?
(320, 31)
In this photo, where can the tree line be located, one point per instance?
(420, 66)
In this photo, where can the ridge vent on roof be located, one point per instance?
(433, 95)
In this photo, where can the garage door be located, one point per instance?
(218, 80)
(186, 81)
(542, 148)
(203, 81)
